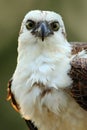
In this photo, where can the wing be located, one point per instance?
(31, 125)
(79, 75)
(11, 97)
(15, 105)
(78, 46)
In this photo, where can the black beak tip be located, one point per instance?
(42, 38)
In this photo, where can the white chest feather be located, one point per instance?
(40, 105)
(49, 71)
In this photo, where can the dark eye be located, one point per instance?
(55, 26)
(30, 24)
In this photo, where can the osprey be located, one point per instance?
(49, 85)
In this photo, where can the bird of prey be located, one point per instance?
(49, 85)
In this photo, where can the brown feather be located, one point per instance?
(11, 97)
(78, 74)
(78, 46)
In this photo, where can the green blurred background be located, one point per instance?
(74, 13)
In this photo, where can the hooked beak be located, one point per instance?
(42, 30)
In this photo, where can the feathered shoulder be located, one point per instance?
(79, 75)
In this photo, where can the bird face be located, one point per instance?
(41, 26)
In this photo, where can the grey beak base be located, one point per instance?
(42, 31)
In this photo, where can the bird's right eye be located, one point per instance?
(30, 24)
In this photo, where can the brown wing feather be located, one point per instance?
(79, 75)
(10, 96)
(78, 46)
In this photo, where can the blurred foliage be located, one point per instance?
(74, 13)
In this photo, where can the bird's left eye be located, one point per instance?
(30, 24)
(55, 26)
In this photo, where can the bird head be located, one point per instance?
(43, 28)
(42, 24)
